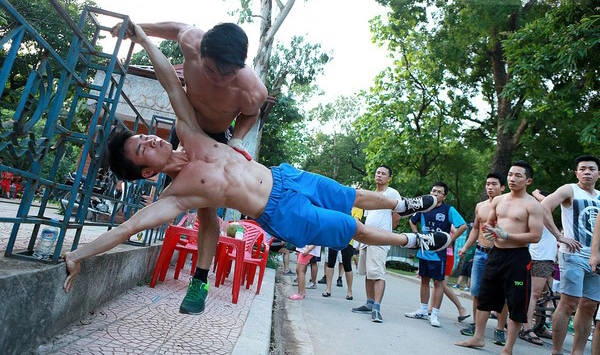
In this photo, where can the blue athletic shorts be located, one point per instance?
(309, 209)
(434, 269)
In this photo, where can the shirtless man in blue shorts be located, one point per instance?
(299, 207)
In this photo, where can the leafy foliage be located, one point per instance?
(169, 48)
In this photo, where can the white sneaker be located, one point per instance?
(434, 321)
(311, 285)
(416, 315)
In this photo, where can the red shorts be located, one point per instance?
(304, 259)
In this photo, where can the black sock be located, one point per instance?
(201, 274)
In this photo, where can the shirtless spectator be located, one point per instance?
(494, 186)
(514, 221)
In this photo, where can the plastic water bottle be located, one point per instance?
(239, 232)
(45, 245)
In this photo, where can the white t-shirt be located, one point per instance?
(381, 218)
(545, 249)
(315, 252)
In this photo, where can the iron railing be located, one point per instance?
(61, 110)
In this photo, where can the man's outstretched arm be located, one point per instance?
(159, 212)
(168, 79)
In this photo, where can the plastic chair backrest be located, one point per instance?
(253, 234)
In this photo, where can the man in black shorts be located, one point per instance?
(515, 220)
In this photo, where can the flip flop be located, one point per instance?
(349, 298)
(461, 318)
(326, 294)
(533, 339)
(296, 297)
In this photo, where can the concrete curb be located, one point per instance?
(255, 337)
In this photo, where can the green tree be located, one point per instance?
(169, 48)
(339, 154)
(293, 70)
(508, 55)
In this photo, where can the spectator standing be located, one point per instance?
(579, 286)
(372, 258)
(543, 254)
(306, 255)
(514, 221)
(432, 265)
(494, 186)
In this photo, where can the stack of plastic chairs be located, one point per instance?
(253, 238)
(173, 240)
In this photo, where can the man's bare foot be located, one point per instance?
(471, 343)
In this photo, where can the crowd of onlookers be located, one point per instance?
(507, 258)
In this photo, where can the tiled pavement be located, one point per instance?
(146, 321)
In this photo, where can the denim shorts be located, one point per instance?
(576, 278)
(479, 261)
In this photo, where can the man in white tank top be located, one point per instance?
(579, 286)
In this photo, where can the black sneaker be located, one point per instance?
(323, 280)
(339, 282)
(376, 316)
(195, 298)
(499, 337)
(362, 309)
(431, 241)
(415, 204)
(469, 330)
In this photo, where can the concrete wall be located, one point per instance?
(34, 307)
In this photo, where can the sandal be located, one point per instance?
(296, 297)
(349, 298)
(545, 333)
(326, 294)
(525, 334)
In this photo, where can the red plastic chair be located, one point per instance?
(184, 247)
(172, 238)
(253, 235)
(258, 260)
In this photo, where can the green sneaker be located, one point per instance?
(193, 302)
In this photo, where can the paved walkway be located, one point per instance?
(320, 325)
(146, 320)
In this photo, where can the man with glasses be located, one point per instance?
(432, 265)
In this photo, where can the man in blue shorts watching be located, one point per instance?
(494, 186)
(297, 206)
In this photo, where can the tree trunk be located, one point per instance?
(268, 29)
(508, 133)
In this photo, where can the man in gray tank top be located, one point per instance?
(579, 286)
